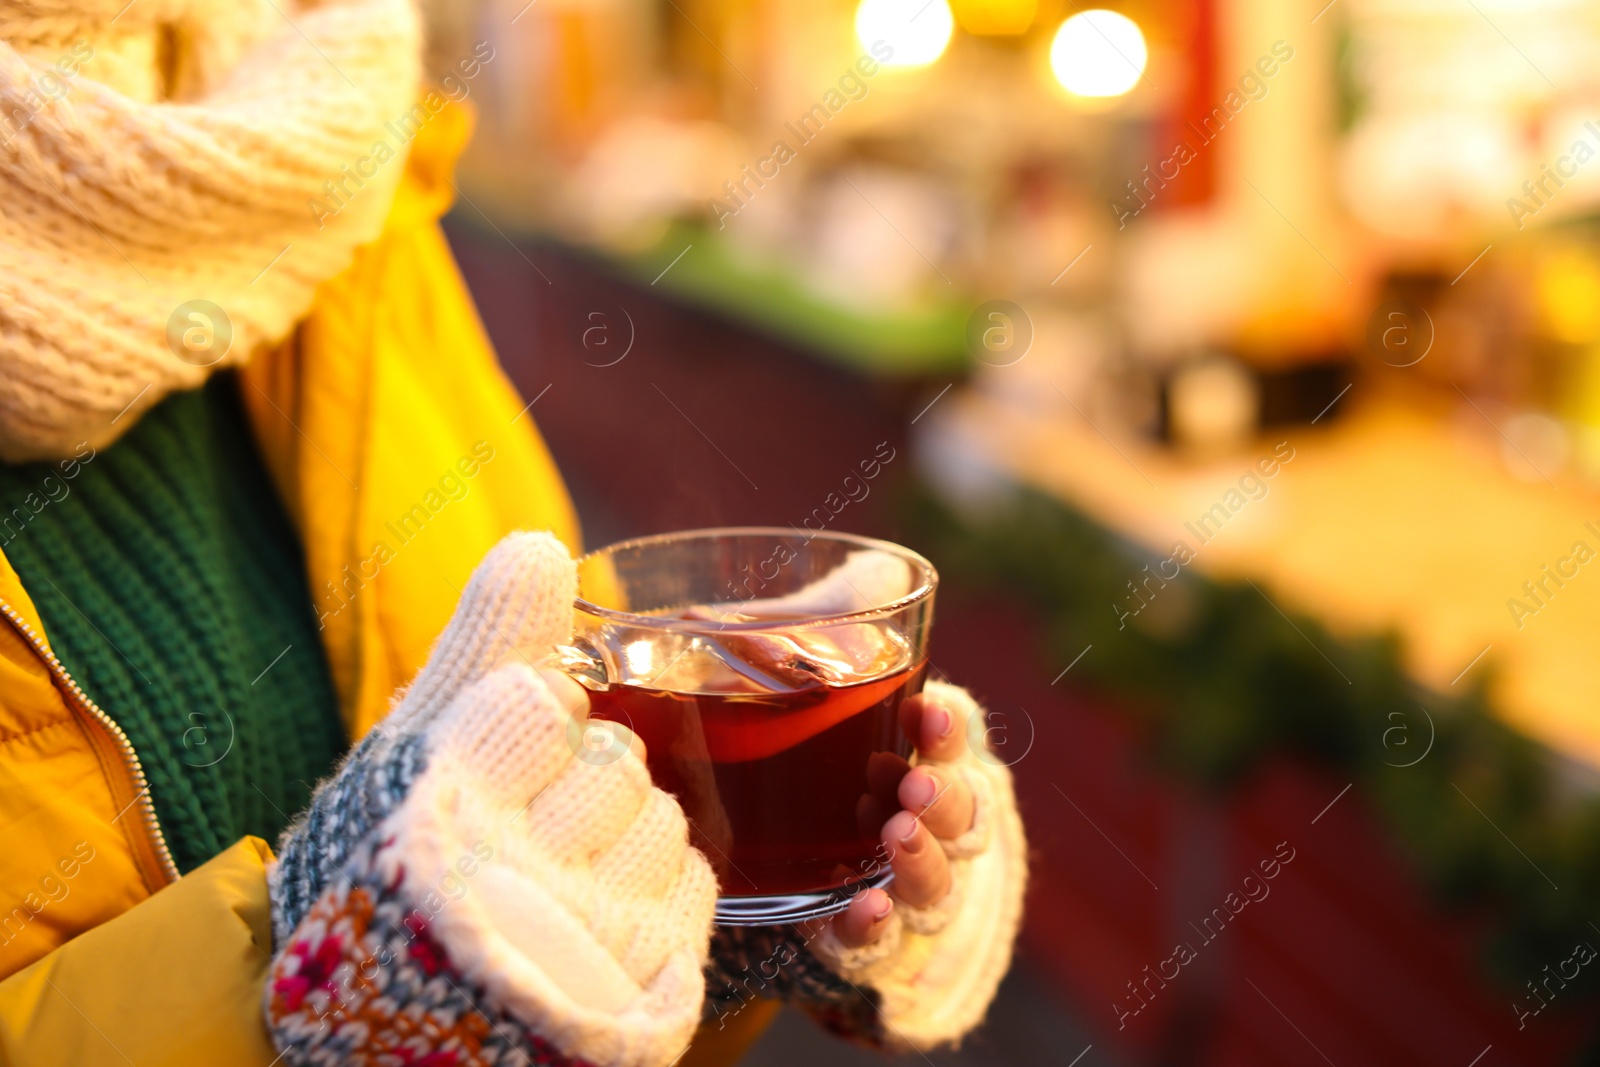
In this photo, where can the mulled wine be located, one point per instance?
(764, 671)
(785, 791)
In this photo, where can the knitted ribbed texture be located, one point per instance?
(172, 588)
(365, 950)
(520, 877)
(935, 971)
(931, 975)
(126, 198)
(517, 605)
(562, 893)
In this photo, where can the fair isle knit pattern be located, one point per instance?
(516, 607)
(369, 785)
(362, 983)
(776, 963)
(163, 152)
(566, 913)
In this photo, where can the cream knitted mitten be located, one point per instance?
(929, 979)
(475, 885)
(935, 970)
(931, 975)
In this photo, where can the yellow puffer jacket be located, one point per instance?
(107, 957)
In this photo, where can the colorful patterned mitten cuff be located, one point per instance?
(525, 898)
(517, 605)
(362, 981)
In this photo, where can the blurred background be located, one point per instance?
(1238, 364)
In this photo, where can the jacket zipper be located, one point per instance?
(112, 736)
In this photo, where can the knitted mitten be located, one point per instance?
(930, 977)
(480, 883)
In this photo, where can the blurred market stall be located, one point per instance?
(1246, 354)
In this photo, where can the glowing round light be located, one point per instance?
(913, 33)
(1569, 295)
(1098, 53)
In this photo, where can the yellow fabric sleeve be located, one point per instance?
(386, 423)
(172, 982)
(401, 449)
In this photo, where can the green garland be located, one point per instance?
(926, 339)
(1221, 680)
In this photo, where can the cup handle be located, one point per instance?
(581, 663)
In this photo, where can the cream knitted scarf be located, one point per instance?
(159, 160)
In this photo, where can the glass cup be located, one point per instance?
(763, 669)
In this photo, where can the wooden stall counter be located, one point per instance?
(1389, 519)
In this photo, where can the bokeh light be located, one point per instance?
(917, 30)
(1098, 53)
(1569, 297)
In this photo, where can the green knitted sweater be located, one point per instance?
(172, 588)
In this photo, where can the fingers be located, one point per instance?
(523, 736)
(645, 860)
(572, 697)
(921, 872)
(937, 805)
(935, 726)
(864, 921)
(585, 809)
(510, 731)
(940, 799)
(597, 741)
(515, 608)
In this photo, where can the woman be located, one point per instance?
(237, 364)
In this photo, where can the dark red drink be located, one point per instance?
(785, 792)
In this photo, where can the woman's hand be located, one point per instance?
(928, 952)
(474, 883)
(937, 806)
